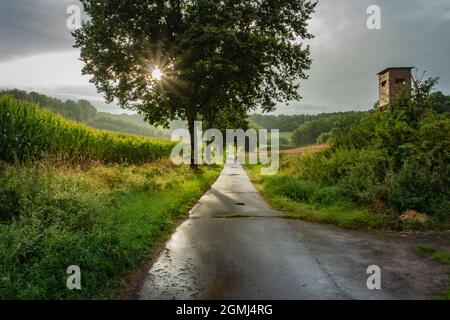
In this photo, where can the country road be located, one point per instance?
(233, 246)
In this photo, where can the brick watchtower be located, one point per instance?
(391, 81)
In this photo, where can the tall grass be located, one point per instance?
(107, 220)
(28, 132)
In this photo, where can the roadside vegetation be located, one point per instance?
(73, 195)
(439, 255)
(107, 220)
(388, 170)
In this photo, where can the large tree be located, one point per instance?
(217, 57)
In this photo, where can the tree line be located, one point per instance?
(311, 129)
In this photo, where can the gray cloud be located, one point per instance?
(346, 55)
(29, 27)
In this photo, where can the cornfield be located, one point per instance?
(28, 132)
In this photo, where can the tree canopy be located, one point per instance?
(216, 57)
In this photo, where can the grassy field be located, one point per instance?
(107, 220)
(28, 132)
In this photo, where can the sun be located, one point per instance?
(157, 74)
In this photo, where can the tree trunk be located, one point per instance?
(191, 126)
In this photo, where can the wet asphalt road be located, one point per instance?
(233, 246)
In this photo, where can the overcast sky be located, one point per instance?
(36, 50)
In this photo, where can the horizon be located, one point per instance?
(116, 110)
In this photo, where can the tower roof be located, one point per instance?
(395, 68)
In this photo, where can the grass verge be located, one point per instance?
(284, 193)
(106, 220)
(440, 256)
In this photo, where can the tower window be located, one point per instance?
(384, 83)
(400, 81)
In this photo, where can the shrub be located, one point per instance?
(323, 138)
(291, 187)
(397, 158)
(284, 141)
(329, 195)
(308, 132)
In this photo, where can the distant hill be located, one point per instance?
(300, 129)
(83, 111)
(289, 123)
(304, 129)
